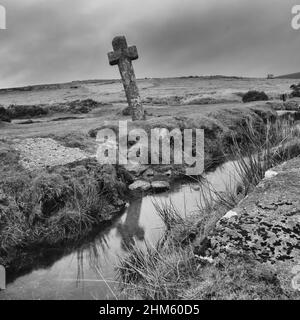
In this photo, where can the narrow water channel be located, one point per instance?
(89, 271)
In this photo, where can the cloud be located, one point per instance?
(63, 40)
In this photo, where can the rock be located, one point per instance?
(149, 173)
(270, 174)
(38, 153)
(255, 96)
(136, 168)
(160, 185)
(267, 227)
(230, 214)
(140, 185)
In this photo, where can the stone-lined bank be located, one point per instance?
(265, 227)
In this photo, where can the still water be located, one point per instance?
(89, 272)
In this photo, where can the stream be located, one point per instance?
(89, 271)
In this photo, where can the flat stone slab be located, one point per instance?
(38, 153)
(160, 185)
(266, 225)
(140, 185)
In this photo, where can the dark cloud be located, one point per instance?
(61, 40)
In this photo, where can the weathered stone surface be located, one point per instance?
(267, 225)
(136, 168)
(140, 185)
(122, 56)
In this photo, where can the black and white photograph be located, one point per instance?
(149, 151)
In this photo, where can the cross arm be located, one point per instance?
(132, 53)
(114, 57)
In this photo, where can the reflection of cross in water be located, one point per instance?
(131, 228)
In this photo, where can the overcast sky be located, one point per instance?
(49, 41)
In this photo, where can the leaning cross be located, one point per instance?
(122, 56)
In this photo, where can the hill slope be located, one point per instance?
(290, 76)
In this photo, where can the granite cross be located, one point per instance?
(122, 56)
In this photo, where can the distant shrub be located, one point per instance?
(296, 90)
(255, 96)
(24, 111)
(76, 106)
(4, 115)
(291, 105)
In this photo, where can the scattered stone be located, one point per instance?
(38, 153)
(136, 168)
(140, 185)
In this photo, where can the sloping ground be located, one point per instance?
(266, 227)
(295, 75)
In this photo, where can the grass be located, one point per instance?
(177, 268)
(54, 206)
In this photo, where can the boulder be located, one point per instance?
(265, 226)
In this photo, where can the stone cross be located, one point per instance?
(122, 56)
